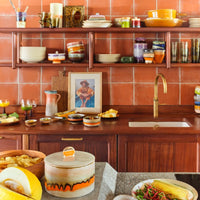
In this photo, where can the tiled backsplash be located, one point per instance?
(121, 86)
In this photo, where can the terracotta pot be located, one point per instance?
(69, 176)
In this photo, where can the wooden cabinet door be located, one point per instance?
(158, 153)
(103, 147)
(10, 142)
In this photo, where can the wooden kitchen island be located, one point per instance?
(126, 149)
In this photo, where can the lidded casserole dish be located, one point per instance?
(69, 173)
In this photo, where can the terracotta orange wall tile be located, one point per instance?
(7, 21)
(190, 7)
(102, 7)
(53, 45)
(122, 94)
(32, 22)
(79, 36)
(34, 6)
(29, 91)
(190, 75)
(106, 94)
(171, 75)
(163, 4)
(48, 72)
(30, 35)
(122, 74)
(5, 53)
(187, 94)
(141, 7)
(144, 94)
(7, 74)
(29, 75)
(53, 35)
(76, 69)
(76, 2)
(122, 7)
(172, 96)
(10, 92)
(102, 46)
(31, 42)
(105, 73)
(144, 74)
(6, 8)
(122, 46)
(45, 87)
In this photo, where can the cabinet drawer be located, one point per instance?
(10, 142)
(103, 147)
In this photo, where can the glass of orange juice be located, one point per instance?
(158, 56)
(4, 104)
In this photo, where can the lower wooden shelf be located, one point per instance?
(128, 65)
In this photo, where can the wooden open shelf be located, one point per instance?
(167, 31)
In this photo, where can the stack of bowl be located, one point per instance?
(76, 51)
(197, 99)
(163, 18)
(194, 22)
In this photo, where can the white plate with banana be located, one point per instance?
(169, 188)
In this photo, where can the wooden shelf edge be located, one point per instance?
(105, 30)
(52, 65)
(128, 65)
(185, 65)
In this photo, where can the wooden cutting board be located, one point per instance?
(60, 83)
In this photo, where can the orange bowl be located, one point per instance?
(37, 169)
(162, 13)
(158, 22)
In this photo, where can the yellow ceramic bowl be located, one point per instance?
(162, 13)
(153, 22)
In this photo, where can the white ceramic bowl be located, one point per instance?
(107, 58)
(32, 54)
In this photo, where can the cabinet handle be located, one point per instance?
(72, 139)
(1, 138)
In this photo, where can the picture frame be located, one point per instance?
(85, 92)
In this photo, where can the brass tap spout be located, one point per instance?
(155, 100)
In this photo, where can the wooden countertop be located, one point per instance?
(119, 126)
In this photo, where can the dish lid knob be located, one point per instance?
(68, 152)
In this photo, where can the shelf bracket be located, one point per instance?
(91, 49)
(168, 49)
(14, 49)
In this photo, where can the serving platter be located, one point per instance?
(9, 123)
(193, 194)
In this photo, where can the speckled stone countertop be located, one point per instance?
(109, 183)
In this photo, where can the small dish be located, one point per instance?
(56, 57)
(45, 120)
(124, 197)
(91, 121)
(107, 58)
(161, 22)
(76, 118)
(31, 122)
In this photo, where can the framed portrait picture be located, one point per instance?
(85, 92)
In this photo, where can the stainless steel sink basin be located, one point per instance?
(159, 124)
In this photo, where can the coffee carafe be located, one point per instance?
(52, 98)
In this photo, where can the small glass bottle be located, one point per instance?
(148, 55)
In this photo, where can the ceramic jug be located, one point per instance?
(52, 98)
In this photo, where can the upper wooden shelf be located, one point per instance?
(101, 30)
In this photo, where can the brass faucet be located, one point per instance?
(155, 100)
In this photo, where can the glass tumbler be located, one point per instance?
(21, 19)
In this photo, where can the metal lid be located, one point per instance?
(69, 158)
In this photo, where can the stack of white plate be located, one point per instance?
(97, 24)
(194, 22)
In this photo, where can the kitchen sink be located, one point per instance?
(174, 124)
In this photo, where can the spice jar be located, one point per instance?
(139, 47)
(148, 56)
(125, 22)
(136, 22)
